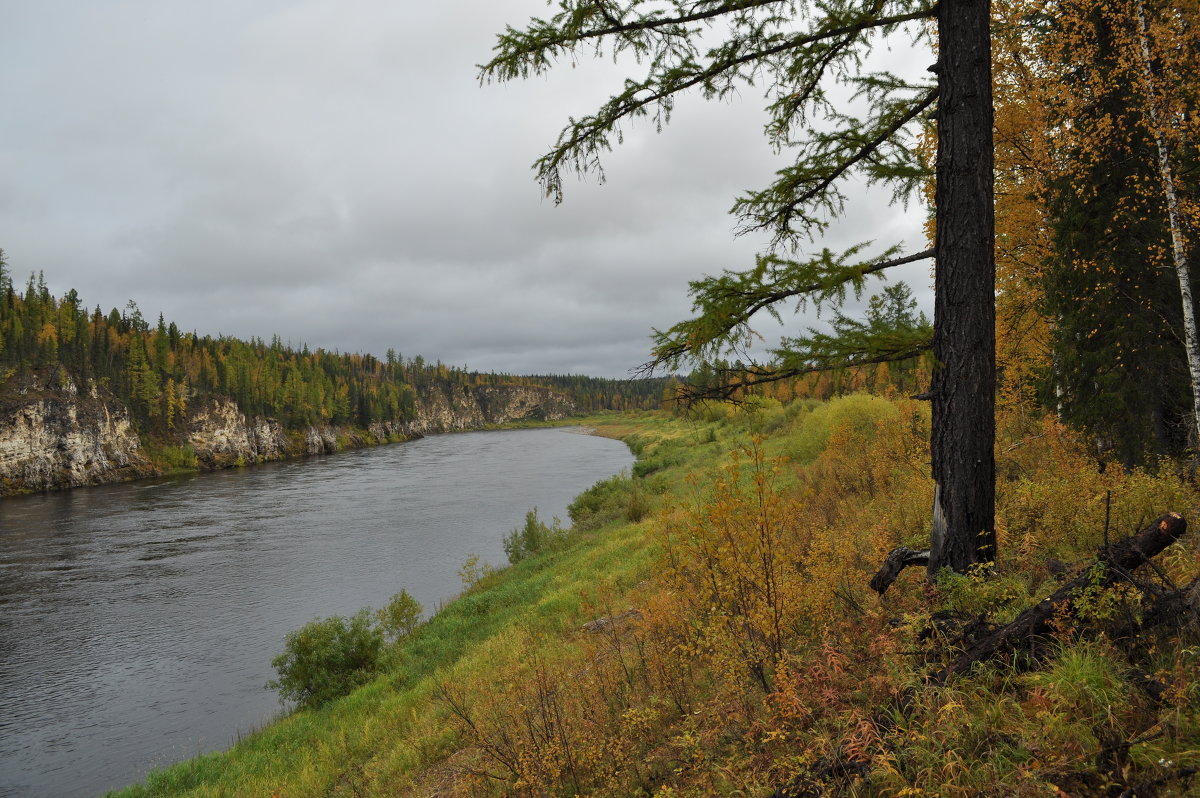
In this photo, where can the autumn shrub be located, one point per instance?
(1056, 503)
(867, 492)
(568, 726)
(328, 658)
(733, 559)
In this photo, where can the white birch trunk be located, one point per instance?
(1179, 256)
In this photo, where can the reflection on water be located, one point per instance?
(138, 621)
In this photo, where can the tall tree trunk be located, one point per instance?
(1166, 173)
(964, 342)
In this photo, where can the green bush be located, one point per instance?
(328, 658)
(638, 506)
(660, 461)
(170, 457)
(605, 501)
(709, 411)
(862, 412)
(531, 538)
(762, 415)
(399, 616)
(473, 571)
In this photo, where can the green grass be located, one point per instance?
(1028, 726)
(393, 723)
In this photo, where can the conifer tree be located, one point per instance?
(800, 51)
(1117, 289)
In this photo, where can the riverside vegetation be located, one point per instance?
(704, 627)
(88, 398)
(159, 371)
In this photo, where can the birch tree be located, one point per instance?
(1120, 83)
(1172, 48)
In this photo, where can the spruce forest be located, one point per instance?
(733, 617)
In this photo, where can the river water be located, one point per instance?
(138, 621)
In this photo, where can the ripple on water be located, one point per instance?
(138, 621)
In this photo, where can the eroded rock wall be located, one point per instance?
(54, 436)
(450, 408)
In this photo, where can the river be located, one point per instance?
(138, 621)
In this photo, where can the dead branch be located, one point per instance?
(897, 561)
(1114, 564)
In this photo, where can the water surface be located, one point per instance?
(138, 621)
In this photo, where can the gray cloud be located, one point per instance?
(332, 172)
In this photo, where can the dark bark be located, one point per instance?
(897, 561)
(964, 342)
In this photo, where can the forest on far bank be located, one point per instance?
(158, 370)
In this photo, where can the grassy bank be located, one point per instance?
(739, 650)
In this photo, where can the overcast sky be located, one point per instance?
(331, 171)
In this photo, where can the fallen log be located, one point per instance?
(1114, 563)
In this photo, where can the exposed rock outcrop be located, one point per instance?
(449, 408)
(54, 436)
(221, 436)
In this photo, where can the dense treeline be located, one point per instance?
(158, 370)
(1117, 190)
(1097, 230)
(597, 393)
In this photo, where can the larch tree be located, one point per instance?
(809, 56)
(1022, 227)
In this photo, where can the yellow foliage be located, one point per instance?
(757, 653)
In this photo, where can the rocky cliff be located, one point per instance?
(54, 435)
(449, 408)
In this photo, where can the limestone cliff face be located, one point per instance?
(221, 436)
(449, 408)
(54, 436)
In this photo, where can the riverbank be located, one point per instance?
(56, 434)
(141, 618)
(543, 595)
(707, 629)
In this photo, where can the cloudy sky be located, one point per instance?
(331, 171)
